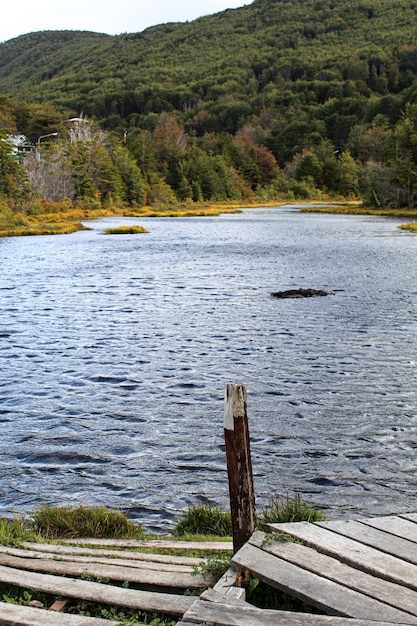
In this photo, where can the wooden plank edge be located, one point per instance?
(168, 603)
(204, 546)
(139, 556)
(17, 615)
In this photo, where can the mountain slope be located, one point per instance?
(236, 51)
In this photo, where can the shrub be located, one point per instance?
(281, 511)
(54, 522)
(204, 519)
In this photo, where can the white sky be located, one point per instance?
(103, 16)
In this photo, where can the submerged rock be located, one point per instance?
(299, 293)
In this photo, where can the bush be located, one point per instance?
(99, 522)
(204, 519)
(281, 511)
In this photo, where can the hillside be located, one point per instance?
(279, 54)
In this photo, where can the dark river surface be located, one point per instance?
(115, 352)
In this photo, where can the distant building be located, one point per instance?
(20, 145)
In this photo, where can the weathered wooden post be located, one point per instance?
(239, 465)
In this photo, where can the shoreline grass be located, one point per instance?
(65, 219)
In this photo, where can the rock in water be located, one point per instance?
(299, 293)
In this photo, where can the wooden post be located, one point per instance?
(239, 465)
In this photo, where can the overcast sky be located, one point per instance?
(103, 16)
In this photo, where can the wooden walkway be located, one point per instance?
(366, 570)
(156, 581)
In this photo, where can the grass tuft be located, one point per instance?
(412, 226)
(125, 230)
(99, 522)
(282, 511)
(14, 532)
(204, 519)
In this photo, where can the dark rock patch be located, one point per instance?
(299, 293)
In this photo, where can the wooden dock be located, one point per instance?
(365, 570)
(153, 582)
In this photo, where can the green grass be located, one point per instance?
(14, 532)
(125, 230)
(280, 511)
(55, 522)
(206, 519)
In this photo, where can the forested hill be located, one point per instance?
(219, 70)
(294, 96)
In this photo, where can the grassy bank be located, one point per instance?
(359, 209)
(51, 220)
(62, 218)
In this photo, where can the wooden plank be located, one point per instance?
(379, 539)
(352, 552)
(133, 556)
(226, 581)
(327, 595)
(171, 604)
(221, 613)
(204, 546)
(112, 572)
(399, 597)
(412, 517)
(394, 525)
(119, 562)
(225, 585)
(14, 615)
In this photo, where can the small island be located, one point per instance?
(125, 230)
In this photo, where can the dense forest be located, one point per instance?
(278, 99)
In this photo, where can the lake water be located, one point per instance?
(115, 352)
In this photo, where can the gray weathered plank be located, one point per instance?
(402, 548)
(225, 585)
(410, 516)
(222, 613)
(205, 546)
(171, 604)
(119, 562)
(331, 597)
(133, 556)
(399, 597)
(226, 581)
(14, 615)
(394, 525)
(177, 580)
(352, 552)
